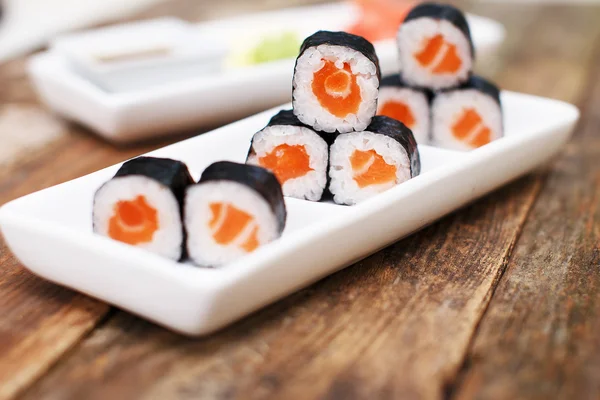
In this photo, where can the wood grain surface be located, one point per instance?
(540, 336)
(500, 300)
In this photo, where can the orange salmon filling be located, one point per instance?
(133, 221)
(399, 111)
(252, 242)
(450, 62)
(483, 137)
(336, 89)
(228, 222)
(469, 121)
(287, 162)
(377, 170)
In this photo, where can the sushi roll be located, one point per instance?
(336, 82)
(234, 209)
(468, 117)
(142, 205)
(407, 104)
(435, 47)
(295, 153)
(366, 163)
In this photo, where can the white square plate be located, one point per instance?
(51, 231)
(210, 99)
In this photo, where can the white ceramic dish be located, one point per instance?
(206, 100)
(141, 55)
(51, 233)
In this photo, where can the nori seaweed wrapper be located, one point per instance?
(402, 134)
(443, 12)
(396, 80)
(256, 178)
(343, 39)
(484, 86)
(286, 117)
(171, 173)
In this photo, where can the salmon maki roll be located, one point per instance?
(295, 153)
(142, 205)
(435, 47)
(233, 210)
(407, 104)
(336, 82)
(366, 163)
(468, 117)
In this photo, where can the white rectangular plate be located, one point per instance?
(51, 232)
(211, 99)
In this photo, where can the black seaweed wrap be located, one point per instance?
(286, 117)
(256, 178)
(343, 39)
(402, 134)
(484, 86)
(171, 173)
(443, 12)
(396, 80)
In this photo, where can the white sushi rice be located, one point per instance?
(201, 245)
(448, 107)
(344, 188)
(417, 103)
(306, 105)
(168, 239)
(309, 186)
(412, 39)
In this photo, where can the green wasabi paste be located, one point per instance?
(275, 47)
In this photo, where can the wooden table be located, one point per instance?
(500, 300)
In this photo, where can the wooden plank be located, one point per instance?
(540, 337)
(396, 324)
(39, 321)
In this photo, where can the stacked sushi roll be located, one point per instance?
(336, 82)
(467, 117)
(331, 140)
(366, 163)
(435, 47)
(295, 153)
(436, 80)
(154, 204)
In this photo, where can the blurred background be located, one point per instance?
(30, 127)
